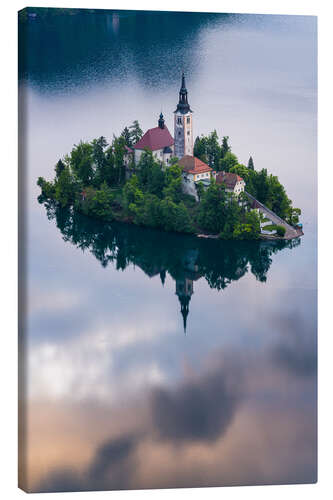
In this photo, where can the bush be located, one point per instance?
(280, 230)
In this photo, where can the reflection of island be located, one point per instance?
(185, 258)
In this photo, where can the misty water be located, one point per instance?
(153, 359)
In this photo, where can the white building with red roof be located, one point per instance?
(158, 140)
(233, 182)
(194, 171)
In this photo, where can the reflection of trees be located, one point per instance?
(156, 252)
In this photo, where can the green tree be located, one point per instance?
(213, 208)
(200, 148)
(47, 188)
(132, 195)
(101, 203)
(148, 211)
(260, 182)
(233, 215)
(249, 229)
(228, 161)
(213, 150)
(99, 159)
(81, 162)
(225, 148)
(119, 152)
(60, 166)
(277, 199)
(173, 183)
(250, 163)
(135, 132)
(66, 188)
(126, 134)
(175, 217)
(144, 168)
(109, 172)
(156, 180)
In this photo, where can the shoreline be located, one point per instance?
(262, 237)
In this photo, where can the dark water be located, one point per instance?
(117, 394)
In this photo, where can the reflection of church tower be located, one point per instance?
(184, 290)
(183, 125)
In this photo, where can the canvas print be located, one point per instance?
(168, 249)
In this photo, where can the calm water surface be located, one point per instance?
(117, 395)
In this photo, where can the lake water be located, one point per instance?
(115, 393)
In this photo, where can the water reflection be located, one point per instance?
(115, 396)
(185, 258)
(119, 42)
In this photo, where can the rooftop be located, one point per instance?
(228, 178)
(154, 139)
(193, 165)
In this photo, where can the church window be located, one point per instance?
(188, 132)
(188, 119)
(179, 133)
(179, 120)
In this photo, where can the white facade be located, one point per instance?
(158, 154)
(239, 187)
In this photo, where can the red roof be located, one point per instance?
(193, 165)
(228, 178)
(129, 150)
(155, 138)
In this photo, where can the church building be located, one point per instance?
(164, 147)
(158, 140)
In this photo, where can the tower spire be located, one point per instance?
(184, 301)
(161, 121)
(183, 87)
(184, 291)
(183, 105)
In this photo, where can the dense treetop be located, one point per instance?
(92, 179)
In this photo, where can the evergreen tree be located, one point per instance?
(135, 132)
(225, 148)
(213, 150)
(200, 148)
(118, 145)
(99, 159)
(250, 164)
(60, 166)
(126, 134)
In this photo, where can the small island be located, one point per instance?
(169, 183)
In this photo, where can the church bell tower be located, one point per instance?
(184, 291)
(183, 138)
